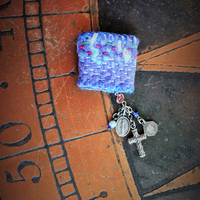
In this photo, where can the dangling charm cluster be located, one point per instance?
(124, 123)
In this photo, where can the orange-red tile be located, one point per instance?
(40, 86)
(43, 97)
(11, 8)
(45, 188)
(52, 136)
(34, 34)
(56, 150)
(60, 35)
(32, 8)
(79, 111)
(62, 6)
(32, 21)
(181, 55)
(184, 56)
(118, 142)
(94, 159)
(17, 99)
(189, 178)
(35, 47)
(94, 15)
(96, 168)
(59, 164)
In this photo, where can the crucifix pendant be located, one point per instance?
(137, 139)
(124, 123)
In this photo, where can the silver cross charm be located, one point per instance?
(137, 139)
(124, 122)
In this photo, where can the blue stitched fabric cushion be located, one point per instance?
(107, 61)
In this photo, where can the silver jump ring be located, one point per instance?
(115, 116)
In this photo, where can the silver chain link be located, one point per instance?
(141, 120)
(126, 111)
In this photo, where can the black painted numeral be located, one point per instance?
(5, 5)
(6, 33)
(20, 142)
(24, 163)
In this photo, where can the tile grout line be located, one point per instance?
(168, 51)
(173, 191)
(187, 36)
(162, 65)
(53, 144)
(176, 186)
(91, 27)
(44, 14)
(22, 153)
(42, 126)
(115, 148)
(166, 182)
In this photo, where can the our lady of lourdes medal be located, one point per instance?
(124, 123)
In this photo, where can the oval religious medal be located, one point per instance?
(150, 128)
(122, 126)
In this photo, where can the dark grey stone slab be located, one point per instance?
(155, 23)
(173, 101)
(191, 192)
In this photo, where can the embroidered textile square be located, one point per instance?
(107, 61)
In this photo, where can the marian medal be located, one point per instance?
(124, 123)
(122, 126)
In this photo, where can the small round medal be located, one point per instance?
(122, 126)
(150, 128)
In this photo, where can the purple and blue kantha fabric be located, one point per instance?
(107, 61)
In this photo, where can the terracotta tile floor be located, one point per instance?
(178, 56)
(54, 142)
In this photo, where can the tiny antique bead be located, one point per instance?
(112, 124)
(135, 114)
(120, 98)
